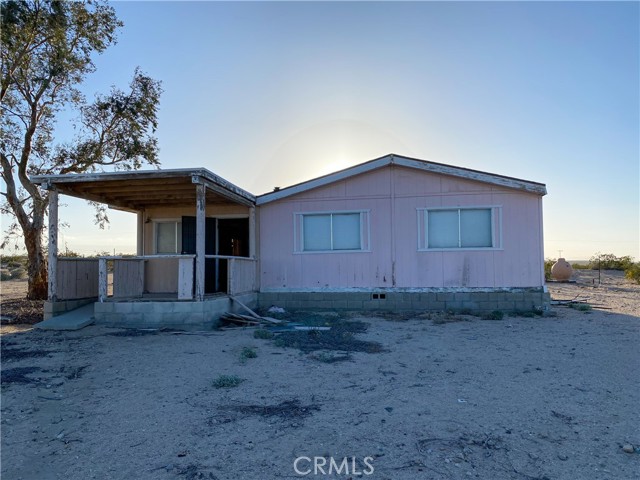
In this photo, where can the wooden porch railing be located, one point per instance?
(129, 281)
(77, 278)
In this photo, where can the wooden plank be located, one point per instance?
(102, 279)
(128, 278)
(140, 234)
(253, 314)
(252, 232)
(200, 240)
(137, 186)
(231, 276)
(185, 279)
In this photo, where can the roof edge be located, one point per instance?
(393, 159)
(168, 173)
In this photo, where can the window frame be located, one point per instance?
(298, 231)
(496, 228)
(178, 241)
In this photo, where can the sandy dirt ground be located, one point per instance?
(444, 397)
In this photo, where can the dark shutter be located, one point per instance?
(188, 235)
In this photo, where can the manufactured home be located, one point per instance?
(394, 233)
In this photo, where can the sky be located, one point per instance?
(269, 94)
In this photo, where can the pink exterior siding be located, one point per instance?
(393, 195)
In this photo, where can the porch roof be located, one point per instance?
(140, 189)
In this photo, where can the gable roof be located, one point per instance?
(423, 165)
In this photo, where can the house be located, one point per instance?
(394, 233)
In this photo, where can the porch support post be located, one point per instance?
(200, 240)
(103, 279)
(140, 243)
(252, 232)
(53, 245)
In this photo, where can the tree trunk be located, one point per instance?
(37, 267)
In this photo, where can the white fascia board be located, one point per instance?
(458, 172)
(194, 173)
(475, 175)
(324, 180)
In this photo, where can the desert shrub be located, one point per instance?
(262, 334)
(248, 352)
(527, 313)
(14, 261)
(580, 266)
(608, 261)
(68, 253)
(325, 357)
(18, 273)
(581, 307)
(633, 272)
(227, 381)
(548, 263)
(495, 315)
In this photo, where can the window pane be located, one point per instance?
(317, 232)
(346, 231)
(442, 229)
(475, 228)
(166, 237)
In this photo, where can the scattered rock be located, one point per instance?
(628, 448)
(563, 457)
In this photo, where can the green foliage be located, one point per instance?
(262, 334)
(580, 266)
(13, 261)
(633, 272)
(608, 261)
(68, 253)
(5, 274)
(581, 307)
(47, 50)
(248, 352)
(495, 315)
(548, 263)
(18, 273)
(227, 381)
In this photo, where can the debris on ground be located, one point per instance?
(252, 319)
(274, 309)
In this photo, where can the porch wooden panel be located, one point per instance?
(77, 278)
(128, 277)
(242, 275)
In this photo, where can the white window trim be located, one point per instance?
(496, 228)
(155, 222)
(298, 232)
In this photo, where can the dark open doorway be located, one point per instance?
(222, 237)
(233, 240)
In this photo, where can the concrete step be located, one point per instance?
(73, 320)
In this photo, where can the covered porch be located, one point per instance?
(195, 243)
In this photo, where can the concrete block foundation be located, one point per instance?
(187, 315)
(182, 315)
(472, 300)
(53, 309)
